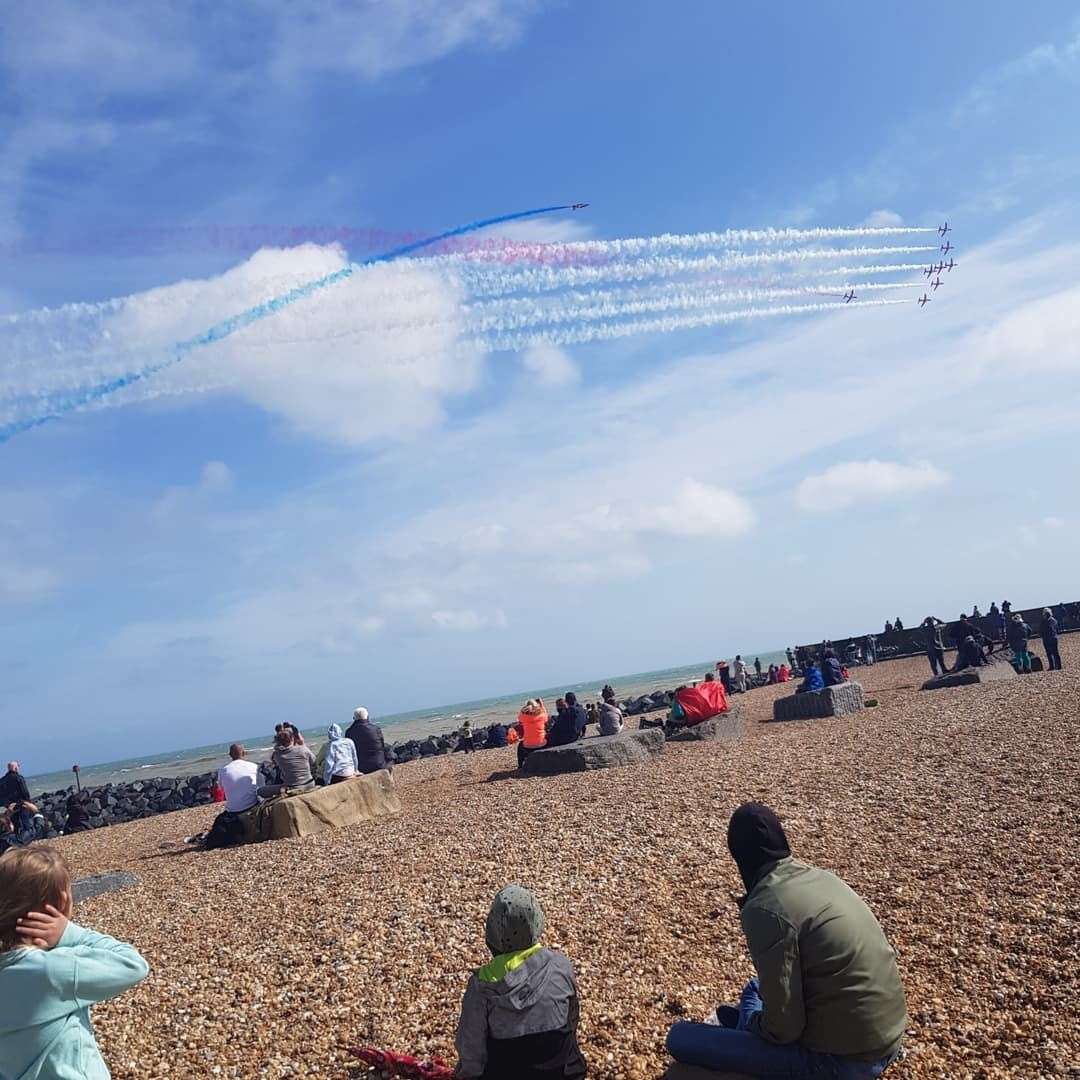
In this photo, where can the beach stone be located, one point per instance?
(725, 727)
(679, 1071)
(98, 884)
(598, 752)
(971, 676)
(838, 700)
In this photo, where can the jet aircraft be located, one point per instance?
(943, 229)
(936, 284)
(924, 300)
(947, 247)
(849, 296)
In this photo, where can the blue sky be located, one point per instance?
(178, 570)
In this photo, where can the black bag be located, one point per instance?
(227, 831)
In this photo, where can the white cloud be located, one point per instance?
(215, 479)
(853, 482)
(20, 583)
(550, 365)
(701, 510)
(881, 218)
(466, 620)
(370, 357)
(216, 476)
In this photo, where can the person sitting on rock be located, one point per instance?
(1018, 634)
(369, 742)
(519, 1015)
(773, 678)
(812, 680)
(827, 998)
(591, 716)
(608, 693)
(532, 720)
(611, 718)
(783, 673)
(341, 762)
(296, 765)
(569, 725)
(240, 779)
(496, 735)
(832, 674)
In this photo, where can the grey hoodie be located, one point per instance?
(611, 719)
(525, 1024)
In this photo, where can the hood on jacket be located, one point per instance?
(756, 839)
(525, 982)
(515, 921)
(334, 732)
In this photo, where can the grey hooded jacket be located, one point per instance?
(523, 1026)
(611, 719)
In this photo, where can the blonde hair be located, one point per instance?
(30, 878)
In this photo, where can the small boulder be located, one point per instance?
(599, 752)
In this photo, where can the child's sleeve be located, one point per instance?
(471, 1041)
(99, 967)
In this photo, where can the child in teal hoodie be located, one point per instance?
(51, 972)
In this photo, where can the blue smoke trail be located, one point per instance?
(72, 402)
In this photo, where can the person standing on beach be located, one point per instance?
(1018, 633)
(369, 742)
(15, 796)
(740, 674)
(935, 647)
(827, 1000)
(724, 672)
(1048, 631)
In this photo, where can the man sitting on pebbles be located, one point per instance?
(827, 998)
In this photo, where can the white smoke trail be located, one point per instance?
(570, 251)
(515, 342)
(547, 279)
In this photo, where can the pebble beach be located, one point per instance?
(953, 813)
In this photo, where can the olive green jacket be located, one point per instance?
(828, 978)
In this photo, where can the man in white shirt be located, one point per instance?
(240, 781)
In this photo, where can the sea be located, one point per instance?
(397, 727)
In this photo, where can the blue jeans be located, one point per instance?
(741, 1051)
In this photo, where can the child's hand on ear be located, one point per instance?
(42, 929)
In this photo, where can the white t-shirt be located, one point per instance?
(240, 779)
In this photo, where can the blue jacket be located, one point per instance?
(45, 1030)
(813, 680)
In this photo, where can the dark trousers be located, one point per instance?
(937, 661)
(1053, 657)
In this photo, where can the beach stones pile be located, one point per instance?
(113, 803)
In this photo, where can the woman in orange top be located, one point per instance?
(533, 720)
